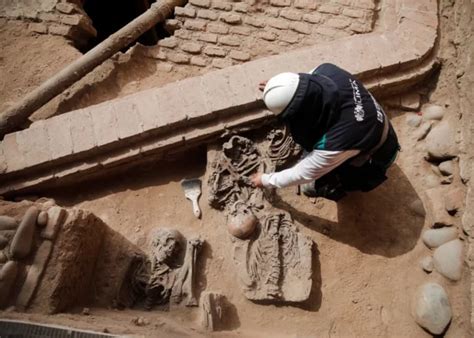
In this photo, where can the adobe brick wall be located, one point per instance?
(219, 34)
(57, 17)
(152, 122)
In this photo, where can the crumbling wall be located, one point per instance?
(57, 17)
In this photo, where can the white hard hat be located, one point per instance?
(279, 91)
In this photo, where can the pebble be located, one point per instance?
(23, 240)
(446, 168)
(432, 112)
(140, 321)
(8, 274)
(413, 120)
(441, 143)
(8, 223)
(417, 207)
(423, 130)
(42, 219)
(431, 308)
(410, 101)
(427, 264)
(433, 238)
(448, 259)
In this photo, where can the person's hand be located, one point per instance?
(262, 85)
(256, 180)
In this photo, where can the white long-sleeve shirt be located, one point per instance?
(315, 165)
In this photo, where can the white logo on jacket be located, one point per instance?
(359, 112)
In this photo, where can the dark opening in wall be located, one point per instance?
(108, 16)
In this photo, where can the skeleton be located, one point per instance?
(161, 278)
(282, 148)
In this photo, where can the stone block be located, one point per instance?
(60, 137)
(229, 40)
(191, 47)
(38, 27)
(306, 4)
(207, 37)
(278, 23)
(255, 21)
(241, 30)
(56, 216)
(82, 131)
(222, 63)
(201, 3)
(300, 27)
(170, 110)
(33, 277)
(185, 11)
(217, 28)
(329, 8)
(14, 158)
(104, 124)
(291, 14)
(280, 3)
(198, 61)
(192, 102)
(313, 18)
(435, 207)
(66, 8)
(222, 5)
(240, 56)
(214, 51)
(356, 13)
(170, 42)
(127, 117)
(231, 18)
(195, 25)
(289, 37)
(241, 7)
(178, 58)
(34, 144)
(207, 14)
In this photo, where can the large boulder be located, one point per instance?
(431, 308)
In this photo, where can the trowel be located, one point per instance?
(192, 191)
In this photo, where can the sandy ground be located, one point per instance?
(367, 252)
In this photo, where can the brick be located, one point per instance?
(214, 51)
(368, 4)
(313, 18)
(172, 25)
(147, 108)
(289, 37)
(62, 30)
(217, 28)
(278, 23)
(14, 158)
(280, 3)
(231, 18)
(49, 17)
(170, 42)
(240, 56)
(343, 2)
(354, 12)
(158, 54)
(191, 47)
(207, 14)
(195, 25)
(201, 3)
(291, 14)
(222, 5)
(56, 216)
(338, 22)
(34, 144)
(104, 124)
(222, 63)
(359, 27)
(207, 37)
(33, 277)
(301, 27)
(306, 4)
(241, 7)
(273, 12)
(185, 12)
(229, 40)
(72, 20)
(183, 34)
(193, 102)
(241, 30)
(60, 138)
(128, 119)
(329, 8)
(66, 8)
(82, 131)
(255, 22)
(169, 110)
(38, 27)
(178, 58)
(267, 35)
(198, 61)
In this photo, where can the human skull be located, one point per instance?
(166, 244)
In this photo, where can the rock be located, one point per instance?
(454, 200)
(431, 308)
(427, 264)
(432, 112)
(410, 101)
(23, 240)
(423, 130)
(8, 223)
(440, 143)
(8, 274)
(448, 259)
(433, 238)
(140, 321)
(446, 168)
(447, 180)
(417, 207)
(413, 120)
(3, 242)
(435, 208)
(42, 219)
